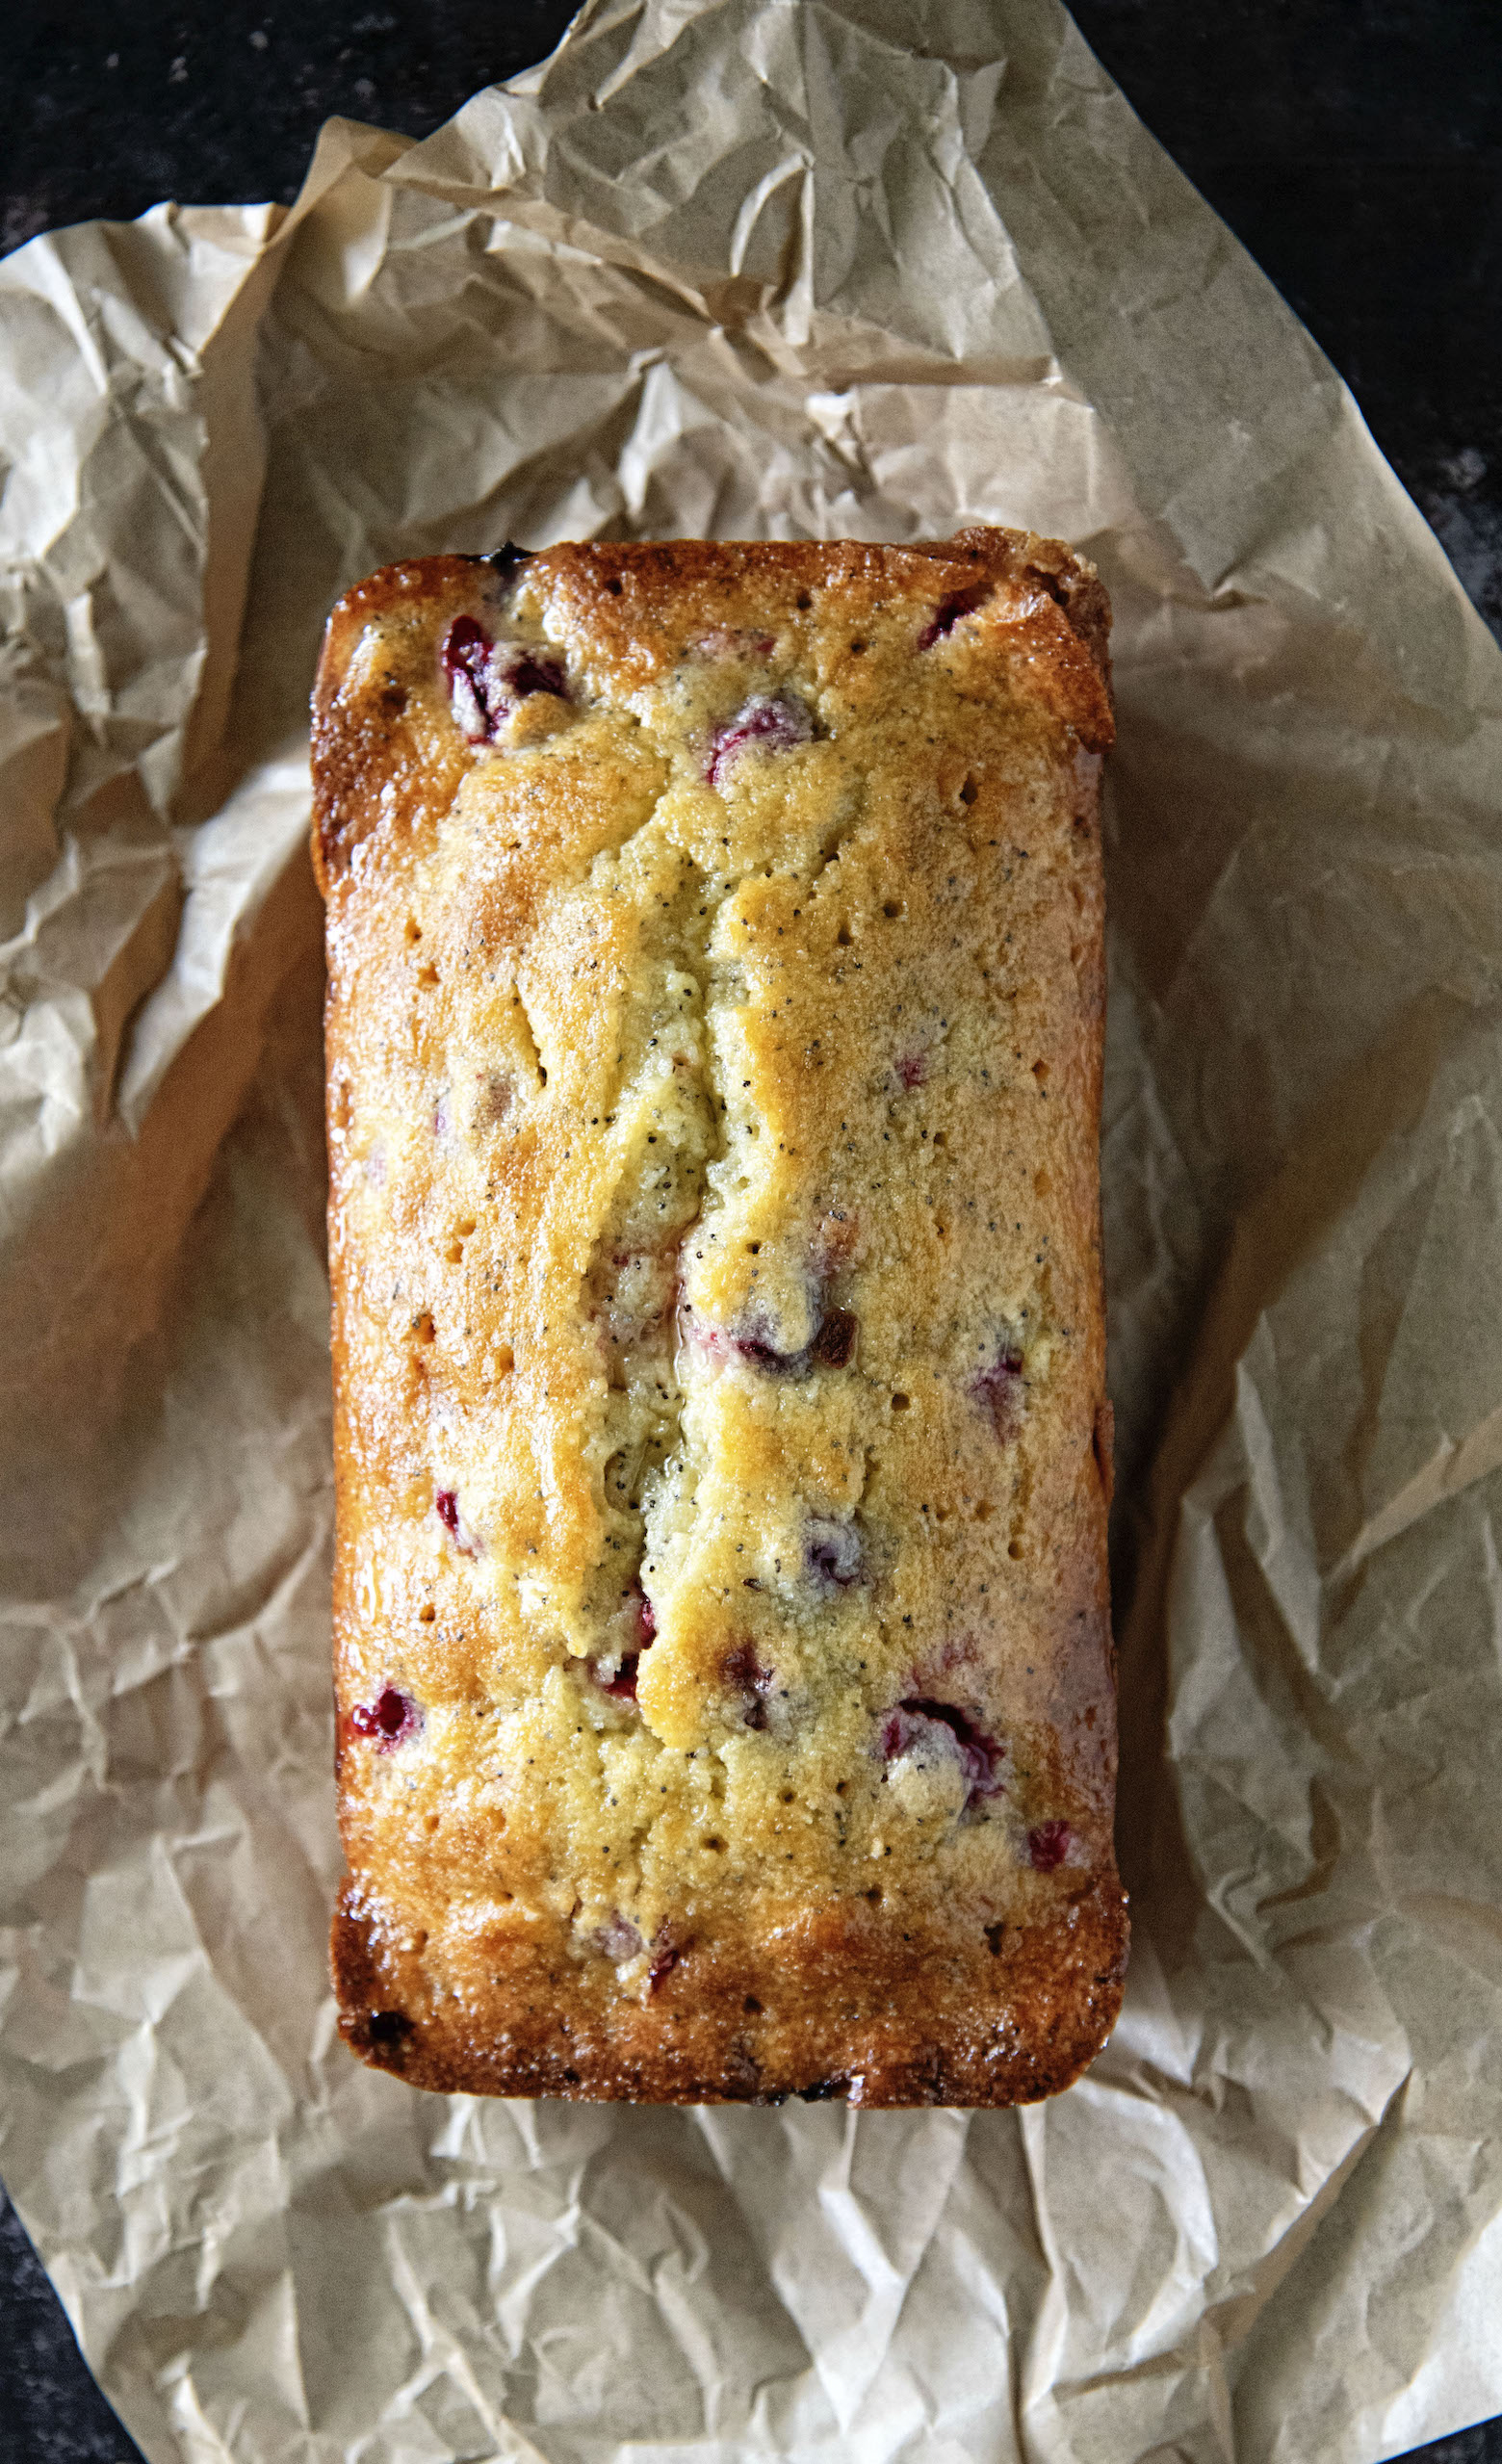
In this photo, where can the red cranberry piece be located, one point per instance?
(834, 1344)
(748, 1677)
(830, 1349)
(1000, 1389)
(833, 1551)
(1048, 1845)
(665, 1956)
(776, 720)
(924, 1723)
(485, 679)
(912, 1069)
(390, 1720)
(763, 1355)
(635, 1600)
(447, 1508)
(527, 673)
(949, 612)
(466, 660)
(622, 1687)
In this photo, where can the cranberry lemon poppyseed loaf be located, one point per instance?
(724, 1667)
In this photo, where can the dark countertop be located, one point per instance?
(1355, 147)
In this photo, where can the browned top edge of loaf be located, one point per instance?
(1073, 673)
(933, 2039)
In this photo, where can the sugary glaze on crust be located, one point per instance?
(726, 1698)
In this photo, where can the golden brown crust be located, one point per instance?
(571, 961)
(356, 747)
(729, 2030)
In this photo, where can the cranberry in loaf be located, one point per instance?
(724, 1672)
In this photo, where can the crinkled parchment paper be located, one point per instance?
(845, 267)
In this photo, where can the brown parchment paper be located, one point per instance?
(840, 267)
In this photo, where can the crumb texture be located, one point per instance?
(716, 1003)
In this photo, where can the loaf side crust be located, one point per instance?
(723, 1657)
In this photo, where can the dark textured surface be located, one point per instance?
(1354, 145)
(51, 2412)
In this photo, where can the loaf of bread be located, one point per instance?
(724, 1670)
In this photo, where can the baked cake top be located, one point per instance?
(715, 1016)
